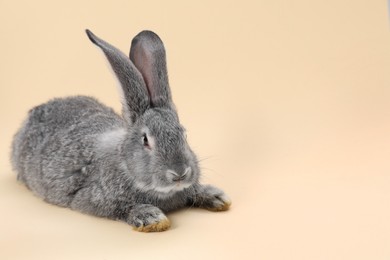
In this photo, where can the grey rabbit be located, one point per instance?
(76, 152)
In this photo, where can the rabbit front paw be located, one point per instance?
(213, 199)
(148, 218)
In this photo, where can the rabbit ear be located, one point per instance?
(135, 95)
(147, 52)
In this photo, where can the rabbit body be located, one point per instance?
(61, 155)
(76, 152)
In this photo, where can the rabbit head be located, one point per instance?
(155, 148)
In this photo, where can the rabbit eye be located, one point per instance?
(145, 141)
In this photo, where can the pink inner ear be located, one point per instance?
(143, 61)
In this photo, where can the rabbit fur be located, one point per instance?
(76, 152)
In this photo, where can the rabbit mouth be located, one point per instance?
(164, 190)
(172, 188)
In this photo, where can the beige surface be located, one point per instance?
(287, 101)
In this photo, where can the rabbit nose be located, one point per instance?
(180, 177)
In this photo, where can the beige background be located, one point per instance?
(287, 102)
